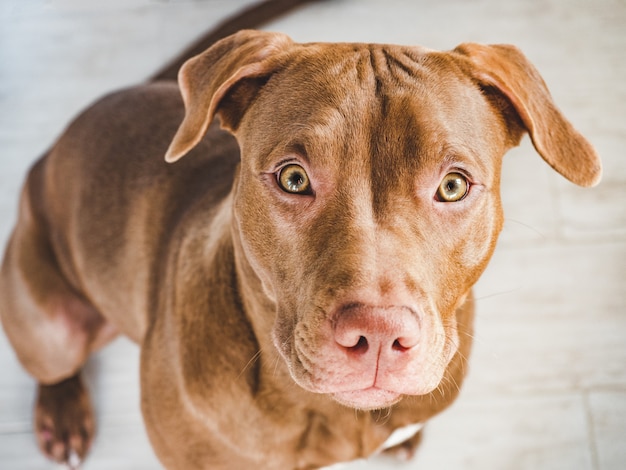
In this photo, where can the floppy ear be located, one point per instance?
(505, 69)
(240, 61)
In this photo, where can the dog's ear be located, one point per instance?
(506, 70)
(231, 70)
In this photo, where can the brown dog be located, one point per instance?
(329, 271)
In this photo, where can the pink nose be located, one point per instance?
(362, 329)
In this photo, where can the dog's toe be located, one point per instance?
(64, 424)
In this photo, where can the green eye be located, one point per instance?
(453, 188)
(293, 179)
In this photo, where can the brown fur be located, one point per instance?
(241, 295)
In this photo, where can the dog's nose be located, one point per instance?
(362, 329)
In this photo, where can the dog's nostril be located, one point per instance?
(396, 346)
(361, 346)
(403, 344)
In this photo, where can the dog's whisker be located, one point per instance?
(252, 360)
(381, 416)
(497, 294)
(276, 364)
(525, 225)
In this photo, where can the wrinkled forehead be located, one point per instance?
(374, 99)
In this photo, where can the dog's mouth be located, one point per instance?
(371, 398)
(369, 363)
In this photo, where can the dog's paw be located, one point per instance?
(64, 423)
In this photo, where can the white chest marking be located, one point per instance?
(400, 435)
(397, 437)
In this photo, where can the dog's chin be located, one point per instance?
(367, 399)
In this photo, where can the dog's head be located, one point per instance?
(367, 201)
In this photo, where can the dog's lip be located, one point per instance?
(371, 398)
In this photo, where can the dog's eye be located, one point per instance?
(293, 179)
(454, 187)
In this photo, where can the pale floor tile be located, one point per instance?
(547, 381)
(510, 432)
(608, 410)
(530, 211)
(540, 328)
(599, 214)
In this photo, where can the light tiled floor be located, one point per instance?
(547, 387)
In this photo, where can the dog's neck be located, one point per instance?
(259, 307)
